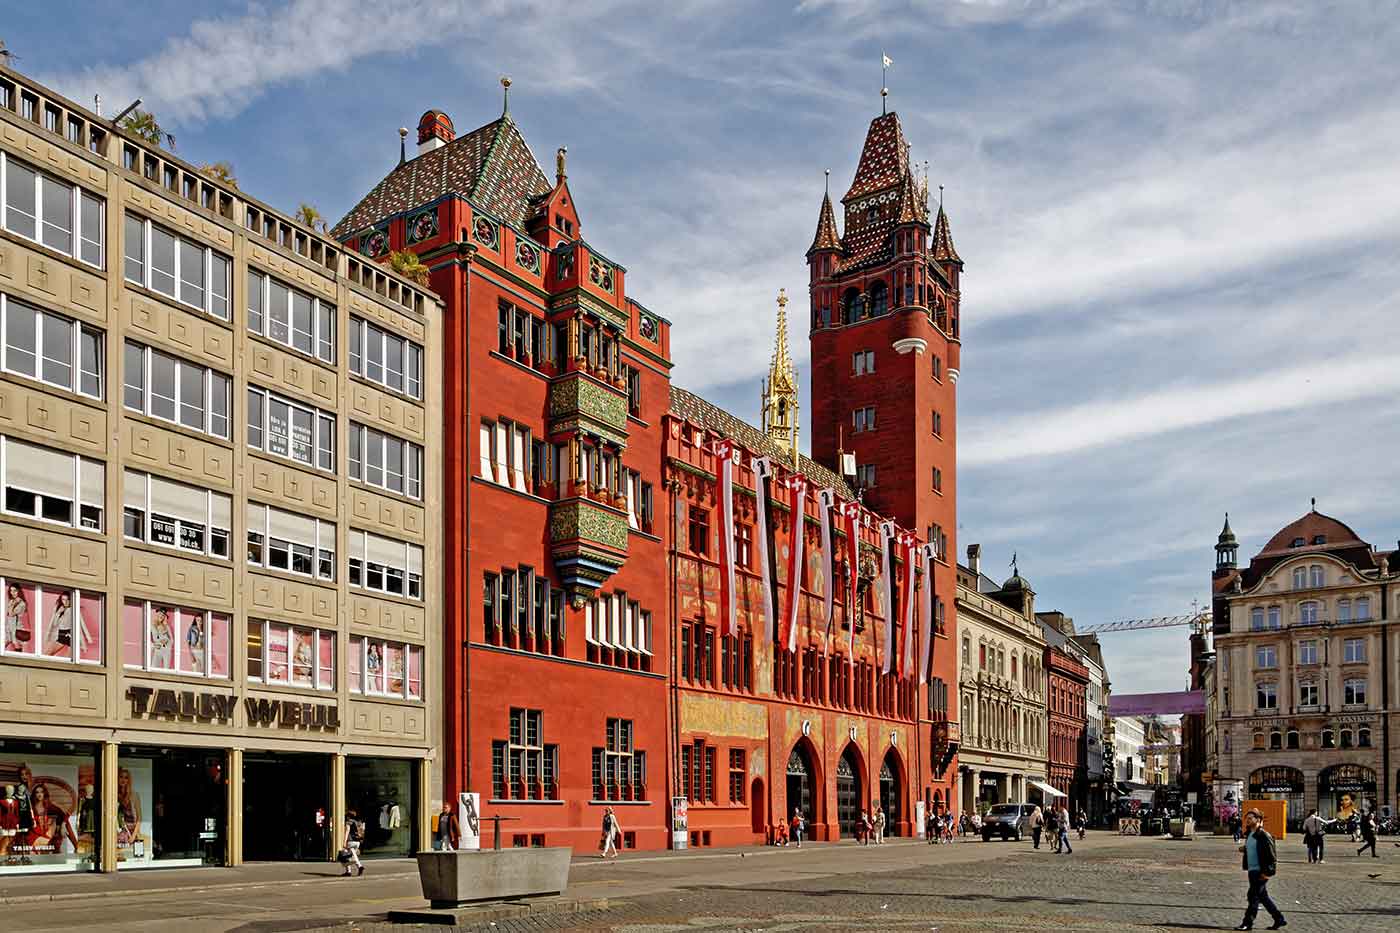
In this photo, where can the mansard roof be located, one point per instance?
(1314, 525)
(691, 407)
(492, 166)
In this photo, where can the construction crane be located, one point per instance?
(1199, 620)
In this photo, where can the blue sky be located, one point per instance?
(1180, 219)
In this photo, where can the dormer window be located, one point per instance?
(871, 214)
(1319, 539)
(1298, 542)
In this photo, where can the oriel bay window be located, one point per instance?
(386, 358)
(51, 348)
(52, 485)
(290, 655)
(176, 390)
(291, 430)
(385, 565)
(165, 637)
(281, 540)
(51, 622)
(178, 268)
(170, 514)
(60, 215)
(385, 668)
(291, 317)
(523, 767)
(619, 771)
(385, 461)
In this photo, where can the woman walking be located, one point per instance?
(612, 831)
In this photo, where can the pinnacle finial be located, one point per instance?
(828, 182)
(403, 144)
(559, 157)
(505, 93)
(782, 298)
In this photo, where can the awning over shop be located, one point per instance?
(1047, 789)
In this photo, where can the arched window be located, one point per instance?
(1300, 578)
(1346, 738)
(1315, 575)
(1259, 741)
(1256, 620)
(1275, 617)
(1363, 737)
(1329, 738)
(1343, 610)
(1275, 741)
(850, 306)
(1363, 608)
(1307, 613)
(879, 299)
(1292, 739)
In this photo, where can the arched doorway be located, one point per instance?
(800, 784)
(757, 808)
(1280, 782)
(1342, 789)
(849, 796)
(891, 792)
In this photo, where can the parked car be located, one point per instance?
(1007, 820)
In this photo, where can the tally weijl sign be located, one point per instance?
(153, 703)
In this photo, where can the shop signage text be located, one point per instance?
(183, 704)
(263, 712)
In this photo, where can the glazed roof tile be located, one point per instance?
(826, 236)
(492, 166)
(943, 250)
(883, 161)
(691, 407)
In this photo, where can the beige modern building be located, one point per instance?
(1304, 678)
(1001, 690)
(219, 543)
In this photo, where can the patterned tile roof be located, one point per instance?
(826, 236)
(492, 166)
(943, 250)
(688, 405)
(884, 160)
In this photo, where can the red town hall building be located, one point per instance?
(588, 658)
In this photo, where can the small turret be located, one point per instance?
(1226, 548)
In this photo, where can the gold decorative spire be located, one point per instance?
(780, 421)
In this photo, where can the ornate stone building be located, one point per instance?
(1001, 689)
(1305, 667)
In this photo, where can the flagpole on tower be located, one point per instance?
(885, 63)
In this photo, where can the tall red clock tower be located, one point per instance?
(885, 357)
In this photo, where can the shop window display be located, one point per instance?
(51, 623)
(171, 807)
(383, 792)
(160, 637)
(49, 816)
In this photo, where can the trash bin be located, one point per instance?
(1184, 828)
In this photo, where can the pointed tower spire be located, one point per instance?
(1226, 548)
(943, 250)
(826, 236)
(780, 420)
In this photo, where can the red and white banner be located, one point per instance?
(888, 536)
(797, 485)
(909, 549)
(729, 616)
(850, 515)
(762, 469)
(826, 500)
(926, 642)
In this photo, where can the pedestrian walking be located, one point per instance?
(1052, 830)
(1313, 829)
(1037, 821)
(798, 824)
(1368, 834)
(1235, 827)
(863, 828)
(1063, 823)
(1260, 862)
(350, 851)
(447, 834)
(1082, 821)
(879, 826)
(612, 832)
(933, 828)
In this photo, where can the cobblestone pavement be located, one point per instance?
(1145, 884)
(1110, 883)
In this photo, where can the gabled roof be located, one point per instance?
(826, 236)
(492, 166)
(943, 250)
(688, 405)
